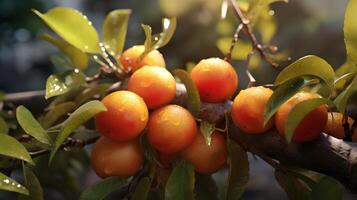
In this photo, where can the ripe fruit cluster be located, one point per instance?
(171, 129)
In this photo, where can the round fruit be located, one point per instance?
(207, 159)
(171, 129)
(248, 110)
(154, 84)
(310, 127)
(334, 125)
(121, 159)
(129, 58)
(215, 79)
(125, 118)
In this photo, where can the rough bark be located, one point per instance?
(327, 155)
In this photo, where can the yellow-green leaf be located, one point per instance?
(78, 117)
(31, 126)
(78, 58)
(344, 97)
(240, 51)
(181, 182)
(308, 65)
(4, 128)
(283, 93)
(56, 112)
(8, 184)
(73, 27)
(9, 146)
(64, 82)
(299, 111)
(87, 94)
(193, 102)
(101, 189)
(33, 185)
(207, 129)
(114, 30)
(350, 30)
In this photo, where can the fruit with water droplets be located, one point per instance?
(154, 84)
(248, 110)
(122, 159)
(130, 58)
(171, 129)
(125, 118)
(215, 79)
(207, 159)
(310, 127)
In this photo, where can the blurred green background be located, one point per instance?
(300, 27)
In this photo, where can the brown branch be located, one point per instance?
(228, 56)
(248, 30)
(327, 155)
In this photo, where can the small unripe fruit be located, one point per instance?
(215, 79)
(154, 84)
(311, 126)
(122, 159)
(125, 118)
(248, 110)
(207, 159)
(171, 129)
(334, 125)
(130, 57)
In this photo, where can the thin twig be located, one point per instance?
(248, 30)
(228, 57)
(251, 78)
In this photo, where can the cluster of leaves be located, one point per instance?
(71, 92)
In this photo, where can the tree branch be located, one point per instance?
(248, 30)
(327, 155)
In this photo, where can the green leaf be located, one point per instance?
(205, 187)
(350, 30)
(299, 111)
(114, 30)
(142, 189)
(9, 146)
(291, 185)
(4, 128)
(87, 94)
(327, 188)
(102, 189)
(78, 117)
(238, 170)
(31, 126)
(153, 42)
(8, 184)
(56, 112)
(340, 81)
(207, 129)
(64, 82)
(33, 185)
(78, 58)
(308, 65)
(344, 97)
(73, 27)
(2, 95)
(193, 97)
(61, 62)
(283, 93)
(180, 184)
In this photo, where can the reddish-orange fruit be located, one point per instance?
(154, 84)
(215, 79)
(311, 126)
(130, 57)
(171, 129)
(207, 159)
(248, 110)
(121, 159)
(334, 125)
(125, 118)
